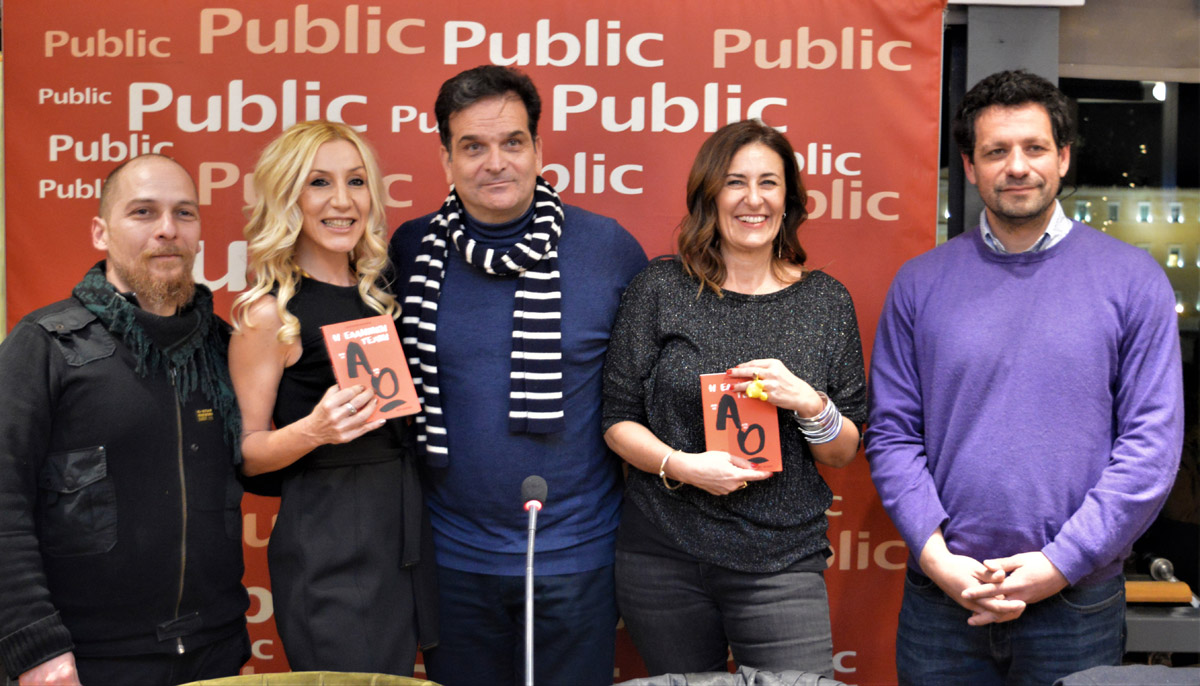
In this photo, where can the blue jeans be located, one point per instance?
(482, 629)
(686, 616)
(1077, 628)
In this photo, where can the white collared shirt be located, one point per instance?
(1056, 230)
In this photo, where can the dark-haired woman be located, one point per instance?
(713, 555)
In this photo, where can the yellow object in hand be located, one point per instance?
(756, 390)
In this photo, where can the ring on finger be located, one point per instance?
(744, 485)
(352, 409)
(756, 389)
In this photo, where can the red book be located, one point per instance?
(738, 424)
(367, 352)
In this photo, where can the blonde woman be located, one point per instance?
(349, 558)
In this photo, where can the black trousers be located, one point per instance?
(222, 658)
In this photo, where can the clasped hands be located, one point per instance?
(994, 590)
(715, 471)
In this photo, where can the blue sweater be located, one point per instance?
(1028, 402)
(478, 521)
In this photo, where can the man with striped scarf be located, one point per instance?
(508, 298)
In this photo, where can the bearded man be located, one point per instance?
(119, 504)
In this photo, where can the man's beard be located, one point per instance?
(1019, 214)
(174, 291)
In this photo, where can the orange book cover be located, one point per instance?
(738, 424)
(367, 352)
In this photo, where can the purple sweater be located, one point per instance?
(1028, 402)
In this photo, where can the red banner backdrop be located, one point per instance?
(631, 89)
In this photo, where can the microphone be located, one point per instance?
(533, 494)
(1161, 569)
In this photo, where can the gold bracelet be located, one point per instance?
(662, 472)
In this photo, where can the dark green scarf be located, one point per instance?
(199, 360)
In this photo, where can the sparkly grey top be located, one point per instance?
(664, 338)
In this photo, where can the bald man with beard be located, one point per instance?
(119, 504)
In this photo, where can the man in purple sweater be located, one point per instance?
(1026, 416)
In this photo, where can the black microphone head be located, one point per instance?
(533, 488)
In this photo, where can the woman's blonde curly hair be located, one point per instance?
(275, 219)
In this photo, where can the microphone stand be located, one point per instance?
(532, 506)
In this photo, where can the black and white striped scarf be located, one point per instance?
(535, 380)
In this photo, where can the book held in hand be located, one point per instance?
(367, 352)
(738, 424)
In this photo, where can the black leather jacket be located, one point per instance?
(120, 527)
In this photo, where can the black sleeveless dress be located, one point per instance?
(351, 554)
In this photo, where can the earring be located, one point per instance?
(779, 248)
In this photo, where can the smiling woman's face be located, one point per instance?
(750, 205)
(335, 201)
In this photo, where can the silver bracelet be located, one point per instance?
(662, 472)
(824, 427)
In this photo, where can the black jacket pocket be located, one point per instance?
(77, 504)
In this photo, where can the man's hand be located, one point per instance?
(955, 574)
(1028, 577)
(57, 671)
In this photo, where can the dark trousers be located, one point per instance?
(221, 658)
(482, 629)
(686, 616)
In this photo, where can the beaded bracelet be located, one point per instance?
(662, 472)
(824, 427)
